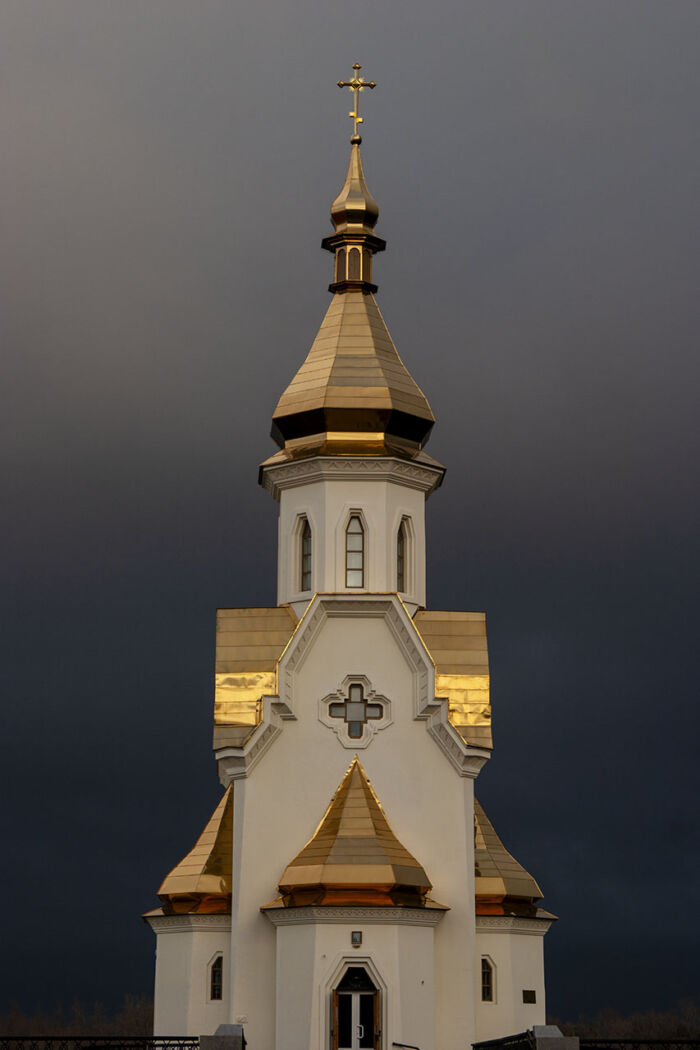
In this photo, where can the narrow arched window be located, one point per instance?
(486, 981)
(354, 553)
(354, 265)
(340, 263)
(216, 978)
(306, 556)
(401, 545)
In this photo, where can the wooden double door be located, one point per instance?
(356, 1015)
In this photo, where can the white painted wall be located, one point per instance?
(311, 959)
(516, 949)
(382, 498)
(185, 947)
(278, 806)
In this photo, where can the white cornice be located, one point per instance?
(189, 922)
(341, 468)
(512, 924)
(365, 915)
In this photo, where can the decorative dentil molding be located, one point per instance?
(192, 921)
(368, 916)
(512, 924)
(333, 468)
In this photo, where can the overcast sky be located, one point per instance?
(167, 172)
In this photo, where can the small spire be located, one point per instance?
(356, 85)
(354, 212)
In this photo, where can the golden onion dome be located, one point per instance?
(354, 209)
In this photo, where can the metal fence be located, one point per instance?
(98, 1042)
(639, 1044)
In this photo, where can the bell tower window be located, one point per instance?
(306, 556)
(401, 545)
(354, 264)
(354, 553)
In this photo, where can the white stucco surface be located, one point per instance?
(311, 959)
(515, 948)
(185, 948)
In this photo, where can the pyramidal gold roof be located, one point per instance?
(353, 388)
(353, 382)
(354, 857)
(202, 880)
(502, 885)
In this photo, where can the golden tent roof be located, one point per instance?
(354, 857)
(353, 385)
(201, 882)
(502, 886)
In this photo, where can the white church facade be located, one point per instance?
(349, 892)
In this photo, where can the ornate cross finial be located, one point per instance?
(356, 84)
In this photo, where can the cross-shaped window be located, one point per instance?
(356, 711)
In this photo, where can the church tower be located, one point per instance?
(349, 892)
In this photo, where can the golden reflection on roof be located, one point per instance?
(201, 882)
(457, 643)
(502, 886)
(353, 381)
(249, 642)
(354, 857)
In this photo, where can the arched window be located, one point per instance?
(401, 550)
(486, 981)
(340, 264)
(354, 553)
(306, 556)
(216, 978)
(354, 265)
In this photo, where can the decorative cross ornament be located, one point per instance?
(356, 85)
(355, 711)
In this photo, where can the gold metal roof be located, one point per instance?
(353, 382)
(354, 856)
(502, 885)
(202, 880)
(249, 642)
(457, 643)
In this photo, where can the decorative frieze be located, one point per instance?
(423, 477)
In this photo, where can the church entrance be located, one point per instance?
(356, 1012)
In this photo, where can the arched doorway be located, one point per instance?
(356, 1012)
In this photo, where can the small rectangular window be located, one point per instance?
(529, 995)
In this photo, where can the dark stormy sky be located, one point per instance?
(166, 177)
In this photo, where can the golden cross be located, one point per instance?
(356, 84)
